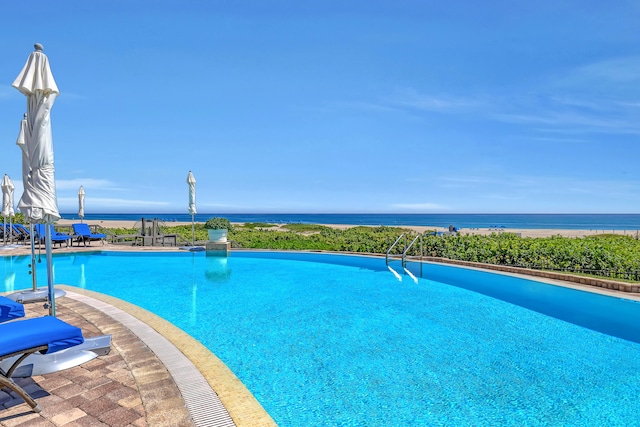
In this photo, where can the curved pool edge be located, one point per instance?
(243, 408)
(628, 290)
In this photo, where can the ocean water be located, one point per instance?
(529, 221)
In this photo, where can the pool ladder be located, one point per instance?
(405, 255)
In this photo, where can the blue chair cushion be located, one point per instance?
(23, 335)
(10, 309)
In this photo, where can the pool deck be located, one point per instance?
(155, 374)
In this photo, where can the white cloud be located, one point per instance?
(574, 123)
(465, 181)
(411, 98)
(87, 183)
(98, 203)
(624, 70)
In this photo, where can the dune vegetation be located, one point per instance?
(613, 256)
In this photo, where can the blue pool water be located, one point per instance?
(331, 340)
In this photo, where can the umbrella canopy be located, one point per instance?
(192, 193)
(22, 143)
(7, 196)
(81, 202)
(38, 202)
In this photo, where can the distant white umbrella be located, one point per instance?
(7, 204)
(192, 204)
(38, 202)
(81, 203)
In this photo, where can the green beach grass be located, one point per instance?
(605, 255)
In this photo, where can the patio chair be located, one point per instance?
(83, 233)
(42, 345)
(24, 232)
(13, 232)
(10, 309)
(25, 337)
(56, 237)
(18, 234)
(9, 232)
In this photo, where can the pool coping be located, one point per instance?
(213, 395)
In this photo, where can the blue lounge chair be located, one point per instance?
(24, 231)
(10, 309)
(14, 232)
(8, 232)
(25, 337)
(56, 237)
(18, 234)
(83, 233)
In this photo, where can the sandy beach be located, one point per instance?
(419, 228)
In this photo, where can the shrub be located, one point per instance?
(218, 223)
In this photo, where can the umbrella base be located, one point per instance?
(41, 294)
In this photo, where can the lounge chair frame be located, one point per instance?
(6, 381)
(57, 346)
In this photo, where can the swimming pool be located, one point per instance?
(325, 339)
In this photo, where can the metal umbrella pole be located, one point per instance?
(34, 279)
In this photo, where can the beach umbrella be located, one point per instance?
(81, 203)
(7, 203)
(38, 202)
(192, 204)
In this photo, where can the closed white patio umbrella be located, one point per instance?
(38, 202)
(7, 205)
(191, 180)
(81, 203)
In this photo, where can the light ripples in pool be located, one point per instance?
(347, 344)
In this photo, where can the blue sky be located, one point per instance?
(335, 106)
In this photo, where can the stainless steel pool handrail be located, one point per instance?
(404, 254)
(386, 258)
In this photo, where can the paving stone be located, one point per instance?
(69, 391)
(140, 422)
(99, 380)
(100, 391)
(121, 393)
(133, 401)
(118, 417)
(87, 421)
(36, 422)
(98, 407)
(67, 416)
(18, 415)
(122, 376)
